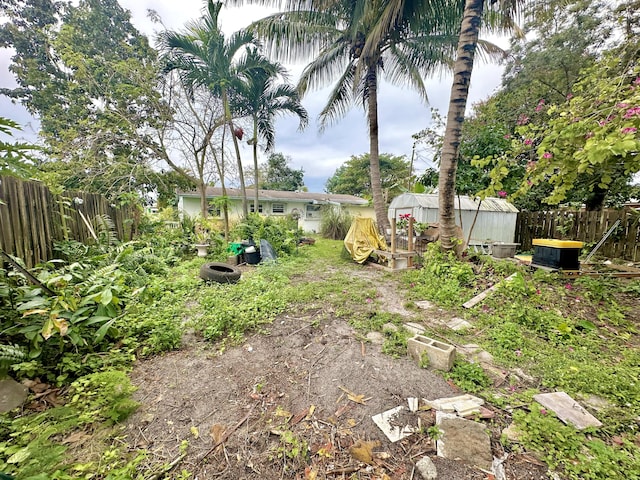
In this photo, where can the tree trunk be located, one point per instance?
(202, 188)
(255, 163)
(457, 104)
(243, 189)
(379, 205)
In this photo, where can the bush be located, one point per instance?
(335, 222)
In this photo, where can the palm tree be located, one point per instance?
(463, 67)
(337, 32)
(264, 99)
(203, 57)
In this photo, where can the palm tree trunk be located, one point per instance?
(255, 163)
(379, 205)
(243, 189)
(457, 105)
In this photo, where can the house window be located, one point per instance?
(253, 209)
(313, 211)
(277, 208)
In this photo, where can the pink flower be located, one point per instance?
(523, 119)
(528, 141)
(529, 182)
(538, 292)
(571, 349)
(507, 136)
(622, 105)
(628, 130)
(518, 353)
(632, 112)
(637, 81)
(502, 194)
(547, 155)
(589, 135)
(543, 411)
(568, 286)
(540, 105)
(569, 96)
(531, 165)
(369, 300)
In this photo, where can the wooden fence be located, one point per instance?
(587, 227)
(32, 218)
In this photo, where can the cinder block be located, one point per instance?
(441, 355)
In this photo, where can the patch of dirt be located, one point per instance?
(294, 402)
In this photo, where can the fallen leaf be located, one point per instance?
(194, 431)
(75, 437)
(326, 450)
(217, 432)
(363, 451)
(355, 397)
(310, 473)
(297, 418)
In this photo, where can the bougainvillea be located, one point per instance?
(594, 132)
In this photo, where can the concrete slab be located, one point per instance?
(464, 440)
(567, 409)
(457, 324)
(387, 422)
(449, 404)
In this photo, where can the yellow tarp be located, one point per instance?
(363, 238)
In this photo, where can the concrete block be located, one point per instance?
(441, 355)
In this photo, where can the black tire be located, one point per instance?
(219, 272)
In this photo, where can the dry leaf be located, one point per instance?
(351, 422)
(354, 397)
(75, 437)
(299, 416)
(217, 433)
(312, 409)
(325, 450)
(194, 431)
(310, 473)
(363, 451)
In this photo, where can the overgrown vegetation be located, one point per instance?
(579, 336)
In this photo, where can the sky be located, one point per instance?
(401, 112)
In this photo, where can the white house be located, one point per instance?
(495, 220)
(306, 206)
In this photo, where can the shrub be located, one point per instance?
(335, 222)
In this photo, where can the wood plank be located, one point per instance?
(481, 296)
(567, 409)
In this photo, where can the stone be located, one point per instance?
(457, 324)
(427, 469)
(414, 328)
(12, 394)
(475, 353)
(424, 304)
(389, 327)
(441, 355)
(376, 338)
(512, 433)
(464, 440)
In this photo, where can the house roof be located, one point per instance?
(282, 196)
(431, 201)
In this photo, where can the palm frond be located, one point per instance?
(328, 65)
(340, 99)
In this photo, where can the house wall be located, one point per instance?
(310, 214)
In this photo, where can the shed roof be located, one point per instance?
(282, 196)
(430, 201)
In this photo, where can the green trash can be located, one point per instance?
(236, 248)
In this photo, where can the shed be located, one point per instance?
(496, 220)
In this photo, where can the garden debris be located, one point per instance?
(481, 296)
(457, 324)
(393, 423)
(567, 409)
(464, 440)
(424, 304)
(462, 404)
(512, 433)
(354, 397)
(363, 451)
(427, 469)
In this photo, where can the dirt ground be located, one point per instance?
(296, 402)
